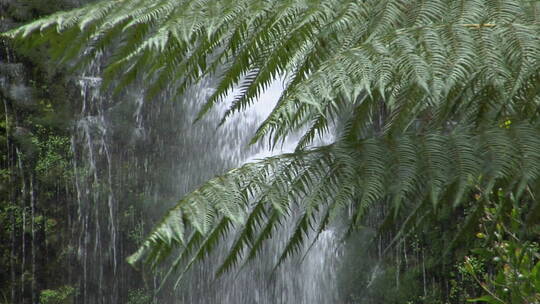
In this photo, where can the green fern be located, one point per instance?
(432, 99)
(363, 174)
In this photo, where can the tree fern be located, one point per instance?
(366, 166)
(432, 99)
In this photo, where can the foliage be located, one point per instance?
(54, 156)
(432, 99)
(139, 296)
(62, 295)
(34, 170)
(515, 261)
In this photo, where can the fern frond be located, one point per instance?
(334, 49)
(363, 174)
(432, 98)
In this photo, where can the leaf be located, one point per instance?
(487, 298)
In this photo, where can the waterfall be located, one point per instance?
(134, 159)
(96, 205)
(308, 280)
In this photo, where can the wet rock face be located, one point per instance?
(16, 12)
(13, 85)
(26, 74)
(31, 147)
(11, 71)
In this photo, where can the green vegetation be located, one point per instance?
(460, 254)
(435, 104)
(139, 296)
(35, 187)
(62, 295)
(40, 253)
(507, 250)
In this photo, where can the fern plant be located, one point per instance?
(432, 99)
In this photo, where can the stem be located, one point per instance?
(482, 285)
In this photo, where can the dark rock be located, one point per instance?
(21, 95)
(11, 71)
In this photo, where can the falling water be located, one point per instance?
(308, 278)
(311, 280)
(96, 214)
(132, 160)
(129, 151)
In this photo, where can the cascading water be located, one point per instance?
(96, 204)
(133, 160)
(311, 280)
